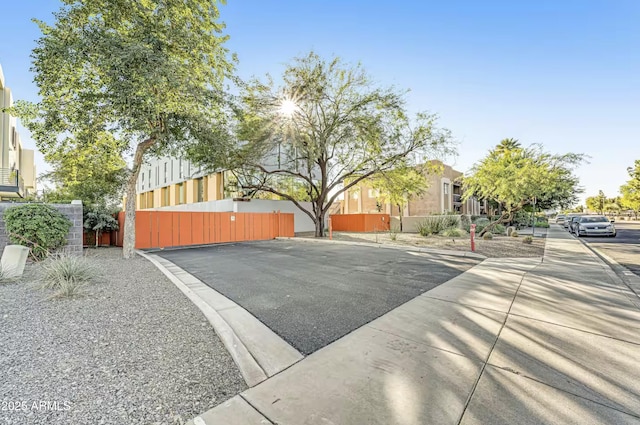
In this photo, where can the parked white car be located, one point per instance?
(594, 225)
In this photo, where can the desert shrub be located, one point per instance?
(481, 223)
(68, 275)
(499, 229)
(39, 227)
(487, 236)
(542, 224)
(465, 222)
(510, 230)
(393, 233)
(435, 224)
(514, 234)
(528, 240)
(453, 232)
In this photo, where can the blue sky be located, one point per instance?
(563, 73)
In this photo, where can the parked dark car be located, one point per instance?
(569, 220)
(593, 225)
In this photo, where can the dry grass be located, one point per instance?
(498, 247)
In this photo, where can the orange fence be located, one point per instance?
(163, 229)
(360, 222)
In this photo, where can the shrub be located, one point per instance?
(487, 236)
(39, 227)
(499, 229)
(68, 275)
(453, 232)
(514, 234)
(481, 223)
(510, 230)
(393, 233)
(465, 223)
(542, 224)
(528, 240)
(435, 224)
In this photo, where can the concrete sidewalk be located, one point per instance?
(511, 341)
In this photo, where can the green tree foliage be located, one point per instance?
(400, 185)
(93, 171)
(327, 124)
(597, 203)
(40, 227)
(99, 222)
(149, 71)
(631, 189)
(514, 177)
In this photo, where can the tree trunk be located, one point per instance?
(319, 227)
(129, 240)
(399, 217)
(504, 218)
(97, 236)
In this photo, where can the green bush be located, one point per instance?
(487, 236)
(453, 232)
(499, 229)
(39, 227)
(528, 240)
(435, 224)
(514, 234)
(542, 224)
(68, 275)
(465, 222)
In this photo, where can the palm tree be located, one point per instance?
(507, 145)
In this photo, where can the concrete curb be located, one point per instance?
(255, 349)
(385, 246)
(628, 277)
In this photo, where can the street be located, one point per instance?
(624, 248)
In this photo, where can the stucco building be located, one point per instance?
(17, 166)
(444, 195)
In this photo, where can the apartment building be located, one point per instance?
(444, 195)
(17, 166)
(168, 181)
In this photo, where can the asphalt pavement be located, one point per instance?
(313, 294)
(511, 341)
(624, 248)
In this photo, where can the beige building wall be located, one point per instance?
(363, 199)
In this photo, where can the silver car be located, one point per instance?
(594, 225)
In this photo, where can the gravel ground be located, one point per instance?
(133, 350)
(498, 247)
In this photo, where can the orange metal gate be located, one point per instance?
(164, 229)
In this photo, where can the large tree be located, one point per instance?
(150, 72)
(631, 189)
(328, 127)
(514, 177)
(597, 203)
(90, 168)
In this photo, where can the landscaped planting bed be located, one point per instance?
(131, 350)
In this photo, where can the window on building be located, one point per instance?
(374, 193)
(165, 172)
(142, 181)
(199, 190)
(157, 175)
(182, 194)
(165, 197)
(181, 168)
(149, 179)
(446, 188)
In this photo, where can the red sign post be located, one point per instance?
(473, 238)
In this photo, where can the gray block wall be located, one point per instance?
(72, 211)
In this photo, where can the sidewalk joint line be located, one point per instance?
(493, 346)
(575, 329)
(506, 369)
(425, 294)
(273, 422)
